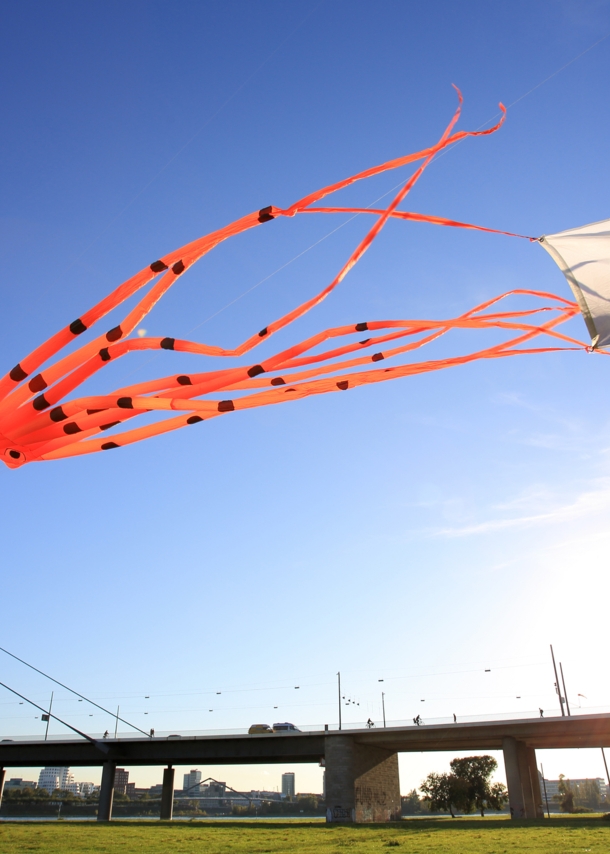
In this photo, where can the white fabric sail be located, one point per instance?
(583, 256)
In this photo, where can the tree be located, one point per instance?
(475, 772)
(411, 803)
(309, 803)
(445, 792)
(588, 795)
(566, 795)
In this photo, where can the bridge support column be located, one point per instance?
(537, 805)
(104, 809)
(2, 776)
(167, 794)
(362, 782)
(524, 795)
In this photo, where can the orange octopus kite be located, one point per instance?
(40, 421)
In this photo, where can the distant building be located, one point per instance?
(55, 778)
(121, 781)
(137, 791)
(288, 789)
(552, 786)
(191, 782)
(20, 783)
(87, 789)
(215, 789)
(258, 795)
(48, 779)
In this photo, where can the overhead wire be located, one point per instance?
(183, 147)
(285, 704)
(72, 691)
(387, 193)
(50, 714)
(304, 684)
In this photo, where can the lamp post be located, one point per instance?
(557, 686)
(605, 766)
(339, 695)
(548, 812)
(383, 706)
(565, 693)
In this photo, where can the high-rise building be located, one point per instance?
(121, 779)
(55, 778)
(191, 782)
(48, 779)
(288, 790)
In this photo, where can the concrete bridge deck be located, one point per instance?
(538, 733)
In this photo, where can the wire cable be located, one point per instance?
(50, 714)
(182, 148)
(72, 691)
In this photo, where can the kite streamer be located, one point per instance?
(39, 420)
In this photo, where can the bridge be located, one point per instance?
(361, 765)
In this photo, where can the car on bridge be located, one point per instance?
(285, 727)
(258, 729)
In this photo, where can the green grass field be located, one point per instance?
(462, 836)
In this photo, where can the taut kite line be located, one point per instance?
(40, 421)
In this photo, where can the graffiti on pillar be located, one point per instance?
(342, 814)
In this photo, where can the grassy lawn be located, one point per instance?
(470, 836)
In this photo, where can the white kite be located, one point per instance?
(583, 256)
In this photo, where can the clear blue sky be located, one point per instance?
(452, 522)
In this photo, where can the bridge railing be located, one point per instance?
(312, 728)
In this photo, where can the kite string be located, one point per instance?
(182, 148)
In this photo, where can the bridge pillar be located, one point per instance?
(524, 795)
(537, 805)
(2, 776)
(104, 809)
(362, 782)
(167, 794)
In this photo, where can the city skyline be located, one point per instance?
(61, 778)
